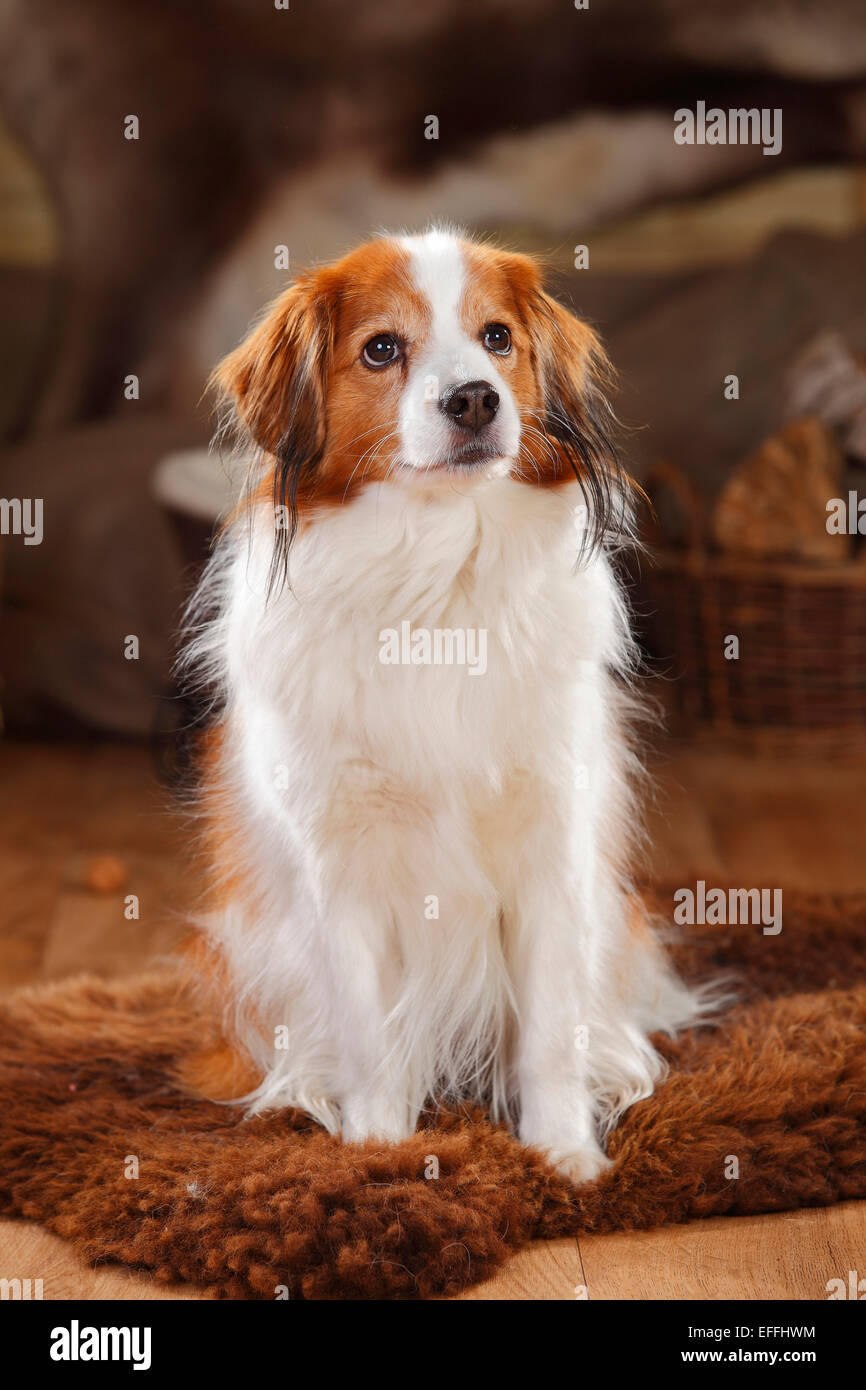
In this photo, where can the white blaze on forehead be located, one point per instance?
(439, 272)
(448, 354)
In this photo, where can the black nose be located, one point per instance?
(472, 405)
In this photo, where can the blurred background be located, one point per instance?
(728, 286)
(270, 136)
(266, 137)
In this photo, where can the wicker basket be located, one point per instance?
(801, 670)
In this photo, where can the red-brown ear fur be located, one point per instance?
(575, 378)
(276, 384)
(573, 360)
(275, 379)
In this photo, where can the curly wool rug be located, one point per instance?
(98, 1145)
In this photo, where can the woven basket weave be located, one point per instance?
(802, 641)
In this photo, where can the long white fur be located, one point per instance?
(365, 791)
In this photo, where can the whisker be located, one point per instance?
(373, 450)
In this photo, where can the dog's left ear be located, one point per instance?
(576, 378)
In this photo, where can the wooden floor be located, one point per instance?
(741, 819)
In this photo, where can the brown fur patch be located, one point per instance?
(557, 361)
(221, 849)
(219, 1073)
(89, 1073)
(300, 373)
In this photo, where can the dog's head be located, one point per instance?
(423, 357)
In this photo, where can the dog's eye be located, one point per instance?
(381, 349)
(497, 338)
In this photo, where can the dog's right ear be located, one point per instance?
(276, 386)
(275, 380)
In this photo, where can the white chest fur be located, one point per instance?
(437, 635)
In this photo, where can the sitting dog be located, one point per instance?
(417, 796)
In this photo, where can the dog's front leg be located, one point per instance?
(554, 957)
(368, 861)
(554, 987)
(360, 986)
(373, 1082)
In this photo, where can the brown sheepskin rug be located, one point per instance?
(243, 1207)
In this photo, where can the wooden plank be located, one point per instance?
(29, 1252)
(29, 888)
(90, 931)
(546, 1271)
(794, 824)
(681, 835)
(61, 808)
(784, 1255)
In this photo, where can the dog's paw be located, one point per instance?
(580, 1164)
(365, 1122)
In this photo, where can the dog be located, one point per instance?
(421, 861)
